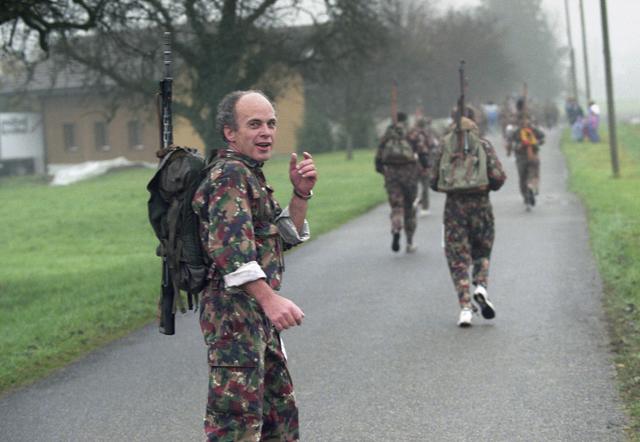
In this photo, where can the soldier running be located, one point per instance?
(397, 160)
(468, 215)
(525, 142)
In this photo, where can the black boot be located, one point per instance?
(395, 244)
(531, 197)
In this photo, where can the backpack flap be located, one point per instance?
(463, 168)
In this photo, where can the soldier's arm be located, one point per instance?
(435, 170)
(495, 171)
(303, 176)
(539, 135)
(511, 141)
(378, 158)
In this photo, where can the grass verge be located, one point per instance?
(77, 263)
(613, 206)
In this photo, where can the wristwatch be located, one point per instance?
(301, 196)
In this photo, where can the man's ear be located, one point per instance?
(229, 134)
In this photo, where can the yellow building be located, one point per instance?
(79, 127)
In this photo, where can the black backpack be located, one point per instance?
(185, 263)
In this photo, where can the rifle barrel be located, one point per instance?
(166, 93)
(394, 102)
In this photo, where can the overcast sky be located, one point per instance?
(624, 39)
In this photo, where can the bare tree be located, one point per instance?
(421, 51)
(218, 45)
(530, 42)
(20, 20)
(341, 87)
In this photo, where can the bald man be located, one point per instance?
(245, 233)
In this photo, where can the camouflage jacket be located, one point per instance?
(243, 229)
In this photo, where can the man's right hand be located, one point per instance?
(282, 312)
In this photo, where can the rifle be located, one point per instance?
(463, 142)
(394, 102)
(525, 91)
(168, 296)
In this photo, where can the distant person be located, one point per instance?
(397, 160)
(480, 118)
(592, 123)
(573, 110)
(245, 233)
(492, 111)
(525, 142)
(424, 144)
(508, 116)
(577, 129)
(466, 168)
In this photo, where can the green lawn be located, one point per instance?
(77, 263)
(613, 207)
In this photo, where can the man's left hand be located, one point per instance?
(303, 175)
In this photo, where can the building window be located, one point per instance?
(101, 136)
(69, 134)
(134, 128)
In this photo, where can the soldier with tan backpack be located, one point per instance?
(467, 169)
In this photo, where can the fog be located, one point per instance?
(624, 35)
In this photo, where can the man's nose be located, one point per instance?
(266, 130)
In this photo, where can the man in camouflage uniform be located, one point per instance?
(469, 232)
(245, 233)
(525, 141)
(400, 181)
(425, 144)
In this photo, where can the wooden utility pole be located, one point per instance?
(611, 111)
(584, 51)
(572, 55)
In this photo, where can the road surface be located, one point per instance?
(379, 357)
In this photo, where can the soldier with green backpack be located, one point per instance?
(397, 160)
(466, 169)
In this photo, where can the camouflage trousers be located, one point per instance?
(401, 183)
(469, 233)
(250, 394)
(424, 180)
(528, 173)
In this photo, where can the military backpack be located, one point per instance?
(463, 165)
(396, 149)
(176, 225)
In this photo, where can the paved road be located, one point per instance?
(379, 357)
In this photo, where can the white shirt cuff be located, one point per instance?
(247, 272)
(288, 231)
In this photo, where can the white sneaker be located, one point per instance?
(486, 307)
(411, 248)
(424, 212)
(465, 317)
